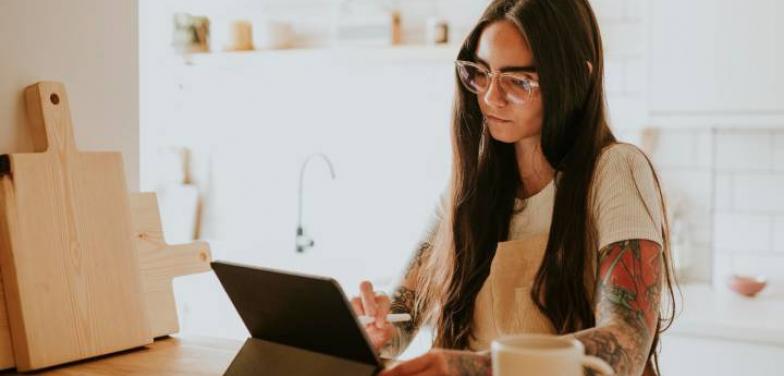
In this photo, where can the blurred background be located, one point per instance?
(252, 119)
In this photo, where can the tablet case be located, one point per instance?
(300, 325)
(260, 357)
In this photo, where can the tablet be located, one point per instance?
(297, 310)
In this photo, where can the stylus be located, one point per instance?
(393, 317)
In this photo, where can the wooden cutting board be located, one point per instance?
(70, 269)
(159, 263)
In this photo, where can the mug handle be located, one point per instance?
(597, 364)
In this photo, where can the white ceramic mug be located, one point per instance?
(537, 354)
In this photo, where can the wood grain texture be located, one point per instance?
(71, 274)
(186, 356)
(6, 345)
(160, 263)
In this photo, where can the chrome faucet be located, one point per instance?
(303, 241)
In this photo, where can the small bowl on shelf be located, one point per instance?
(746, 285)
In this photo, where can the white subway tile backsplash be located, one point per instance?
(758, 192)
(627, 112)
(610, 10)
(682, 148)
(778, 234)
(743, 150)
(778, 151)
(703, 148)
(723, 192)
(726, 184)
(674, 149)
(635, 10)
(766, 265)
(632, 136)
(690, 148)
(722, 268)
(701, 233)
(689, 190)
(636, 76)
(623, 38)
(614, 75)
(742, 233)
(695, 262)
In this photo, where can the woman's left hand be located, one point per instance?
(439, 362)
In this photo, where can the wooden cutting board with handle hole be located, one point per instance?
(72, 276)
(159, 262)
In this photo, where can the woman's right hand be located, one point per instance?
(368, 303)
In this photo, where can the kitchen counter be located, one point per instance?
(167, 356)
(704, 313)
(722, 314)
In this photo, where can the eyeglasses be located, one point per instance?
(477, 79)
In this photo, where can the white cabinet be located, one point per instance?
(688, 355)
(722, 57)
(718, 332)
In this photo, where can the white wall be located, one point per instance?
(692, 355)
(92, 47)
(749, 211)
(685, 163)
(724, 185)
(716, 94)
(258, 115)
(381, 115)
(717, 60)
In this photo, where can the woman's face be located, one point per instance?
(503, 49)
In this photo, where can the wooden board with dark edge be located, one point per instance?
(70, 270)
(159, 262)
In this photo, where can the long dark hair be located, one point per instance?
(563, 35)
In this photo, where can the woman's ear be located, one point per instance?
(590, 67)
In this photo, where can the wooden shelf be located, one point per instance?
(403, 53)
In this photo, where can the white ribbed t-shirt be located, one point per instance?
(625, 202)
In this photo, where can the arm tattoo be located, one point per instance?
(473, 365)
(403, 301)
(605, 345)
(627, 308)
(416, 262)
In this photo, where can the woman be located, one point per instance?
(549, 225)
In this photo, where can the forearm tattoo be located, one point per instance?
(474, 365)
(403, 301)
(416, 263)
(606, 345)
(627, 308)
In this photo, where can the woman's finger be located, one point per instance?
(382, 309)
(356, 302)
(368, 298)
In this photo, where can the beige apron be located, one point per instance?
(504, 305)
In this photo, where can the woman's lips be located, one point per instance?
(496, 119)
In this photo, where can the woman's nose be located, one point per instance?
(494, 96)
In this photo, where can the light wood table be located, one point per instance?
(174, 355)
